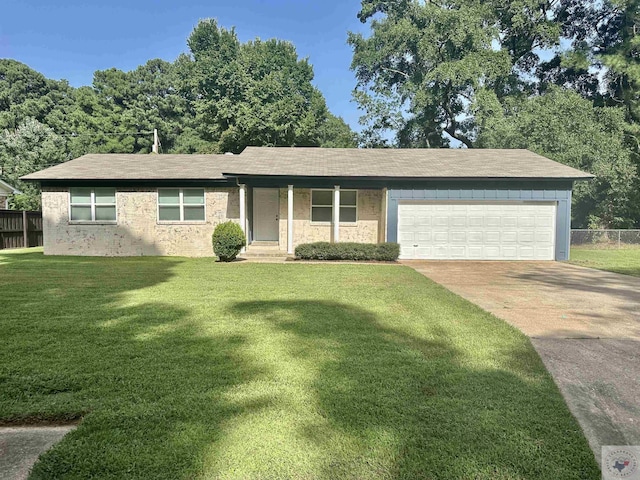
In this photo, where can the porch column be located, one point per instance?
(243, 210)
(336, 213)
(290, 219)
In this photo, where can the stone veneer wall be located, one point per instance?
(365, 230)
(137, 231)
(3, 202)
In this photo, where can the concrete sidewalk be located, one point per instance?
(20, 447)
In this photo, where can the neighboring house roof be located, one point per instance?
(315, 162)
(6, 188)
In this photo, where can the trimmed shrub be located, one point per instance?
(388, 251)
(228, 239)
(348, 251)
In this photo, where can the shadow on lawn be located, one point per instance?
(416, 406)
(162, 397)
(145, 380)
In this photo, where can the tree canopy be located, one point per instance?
(30, 147)
(220, 97)
(560, 77)
(256, 93)
(566, 127)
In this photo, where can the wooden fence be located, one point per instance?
(20, 229)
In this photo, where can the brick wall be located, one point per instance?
(365, 230)
(137, 231)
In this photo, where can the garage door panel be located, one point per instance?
(407, 251)
(407, 224)
(526, 221)
(475, 221)
(543, 253)
(458, 252)
(545, 236)
(441, 237)
(525, 236)
(477, 230)
(492, 252)
(509, 237)
(441, 252)
(458, 237)
(406, 237)
(492, 236)
(509, 222)
(493, 221)
(423, 253)
(527, 252)
(440, 221)
(538, 209)
(474, 237)
(544, 221)
(458, 221)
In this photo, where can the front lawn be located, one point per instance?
(623, 260)
(184, 368)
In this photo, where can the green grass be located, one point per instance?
(624, 260)
(184, 368)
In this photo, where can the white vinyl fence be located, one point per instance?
(605, 238)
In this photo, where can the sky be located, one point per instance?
(71, 39)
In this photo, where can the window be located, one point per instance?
(348, 206)
(181, 205)
(92, 205)
(322, 206)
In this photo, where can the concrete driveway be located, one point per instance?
(584, 323)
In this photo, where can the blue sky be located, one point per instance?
(70, 39)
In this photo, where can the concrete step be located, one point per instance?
(264, 243)
(254, 251)
(264, 254)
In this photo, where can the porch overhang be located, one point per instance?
(374, 182)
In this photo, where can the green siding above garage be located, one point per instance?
(561, 196)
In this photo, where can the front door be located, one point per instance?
(266, 208)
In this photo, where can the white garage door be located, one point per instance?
(477, 230)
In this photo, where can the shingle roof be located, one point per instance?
(314, 162)
(408, 162)
(119, 166)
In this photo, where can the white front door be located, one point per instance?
(266, 210)
(469, 230)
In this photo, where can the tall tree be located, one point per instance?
(223, 96)
(335, 133)
(256, 93)
(30, 147)
(425, 63)
(25, 93)
(565, 127)
(139, 101)
(618, 46)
